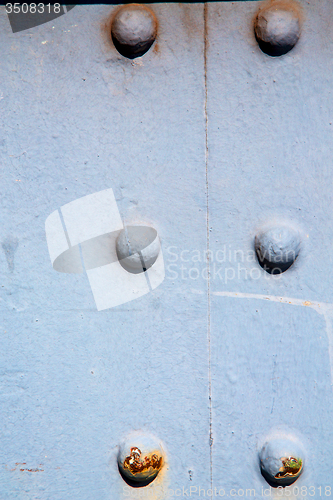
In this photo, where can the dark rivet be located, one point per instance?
(140, 459)
(277, 248)
(277, 27)
(137, 248)
(281, 461)
(133, 30)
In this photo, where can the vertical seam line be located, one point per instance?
(205, 12)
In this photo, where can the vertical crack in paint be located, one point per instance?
(205, 13)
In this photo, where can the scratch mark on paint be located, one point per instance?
(273, 298)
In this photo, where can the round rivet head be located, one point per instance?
(277, 248)
(137, 248)
(133, 30)
(277, 27)
(140, 459)
(281, 462)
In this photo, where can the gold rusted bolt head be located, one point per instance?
(140, 459)
(281, 462)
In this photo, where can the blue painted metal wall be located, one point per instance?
(206, 139)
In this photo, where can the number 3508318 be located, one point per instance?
(33, 8)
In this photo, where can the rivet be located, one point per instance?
(133, 30)
(277, 27)
(140, 459)
(281, 461)
(137, 248)
(277, 248)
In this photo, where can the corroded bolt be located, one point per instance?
(133, 30)
(140, 459)
(137, 248)
(277, 248)
(281, 462)
(277, 27)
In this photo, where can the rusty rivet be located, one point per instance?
(137, 248)
(277, 248)
(277, 27)
(281, 461)
(140, 459)
(133, 30)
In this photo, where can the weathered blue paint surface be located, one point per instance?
(78, 118)
(269, 137)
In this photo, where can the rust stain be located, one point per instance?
(25, 469)
(106, 30)
(294, 6)
(189, 21)
(307, 303)
(136, 464)
(32, 470)
(156, 48)
(291, 467)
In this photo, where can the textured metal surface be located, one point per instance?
(269, 137)
(206, 139)
(79, 118)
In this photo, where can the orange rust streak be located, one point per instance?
(136, 465)
(32, 470)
